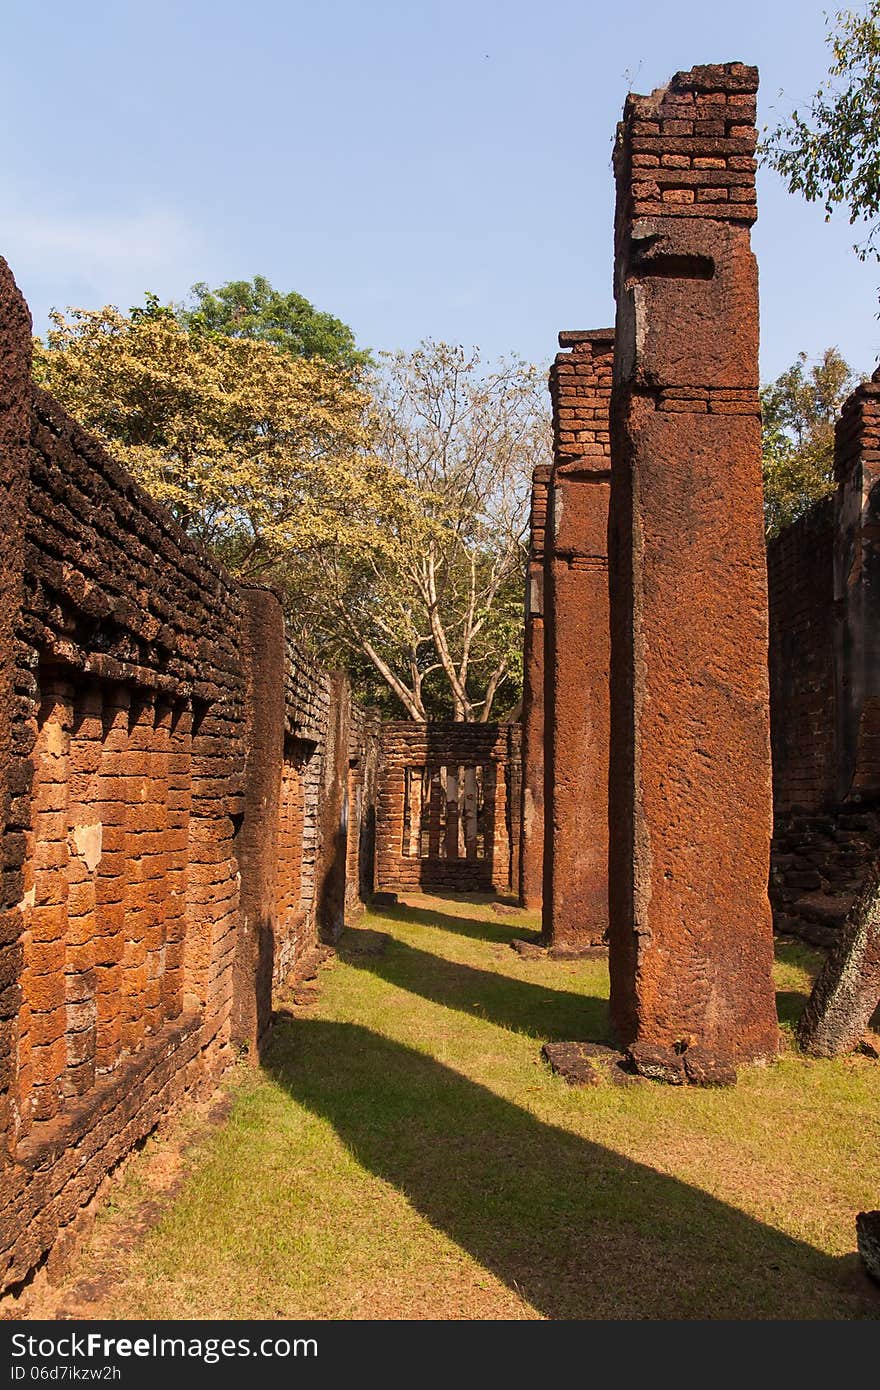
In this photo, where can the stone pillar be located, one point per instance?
(331, 866)
(577, 646)
(257, 840)
(857, 592)
(690, 809)
(531, 855)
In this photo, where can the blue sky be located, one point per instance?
(419, 169)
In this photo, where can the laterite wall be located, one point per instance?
(177, 780)
(421, 841)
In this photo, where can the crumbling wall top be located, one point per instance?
(688, 149)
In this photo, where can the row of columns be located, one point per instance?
(646, 645)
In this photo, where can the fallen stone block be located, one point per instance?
(576, 952)
(529, 950)
(572, 1061)
(657, 1064)
(702, 1068)
(303, 995)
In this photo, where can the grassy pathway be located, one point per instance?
(405, 1153)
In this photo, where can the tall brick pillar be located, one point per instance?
(577, 645)
(15, 767)
(531, 856)
(257, 841)
(690, 808)
(857, 592)
(331, 864)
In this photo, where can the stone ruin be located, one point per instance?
(191, 804)
(447, 812)
(646, 652)
(188, 808)
(575, 900)
(689, 794)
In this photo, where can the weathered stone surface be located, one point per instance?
(657, 1063)
(531, 858)
(868, 1239)
(529, 950)
(15, 371)
(162, 865)
(575, 913)
(705, 1069)
(848, 988)
(258, 840)
(572, 1061)
(690, 820)
(824, 580)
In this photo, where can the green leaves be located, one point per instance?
(254, 451)
(798, 412)
(833, 153)
(254, 309)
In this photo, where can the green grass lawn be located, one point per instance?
(406, 1153)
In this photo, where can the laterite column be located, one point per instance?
(531, 859)
(690, 808)
(577, 646)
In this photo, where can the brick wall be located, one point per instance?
(824, 578)
(800, 573)
(176, 819)
(427, 837)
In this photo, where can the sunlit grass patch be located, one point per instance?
(406, 1153)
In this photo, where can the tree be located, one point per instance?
(833, 153)
(430, 591)
(255, 452)
(254, 309)
(394, 525)
(799, 410)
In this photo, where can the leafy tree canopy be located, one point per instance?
(254, 309)
(255, 452)
(390, 509)
(832, 153)
(799, 410)
(435, 602)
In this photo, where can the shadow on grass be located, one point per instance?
(790, 1004)
(522, 1006)
(538, 1010)
(501, 932)
(574, 1228)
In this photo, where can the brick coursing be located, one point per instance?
(690, 789)
(576, 637)
(690, 148)
(405, 744)
(160, 735)
(531, 819)
(823, 574)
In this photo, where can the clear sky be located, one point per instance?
(421, 168)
